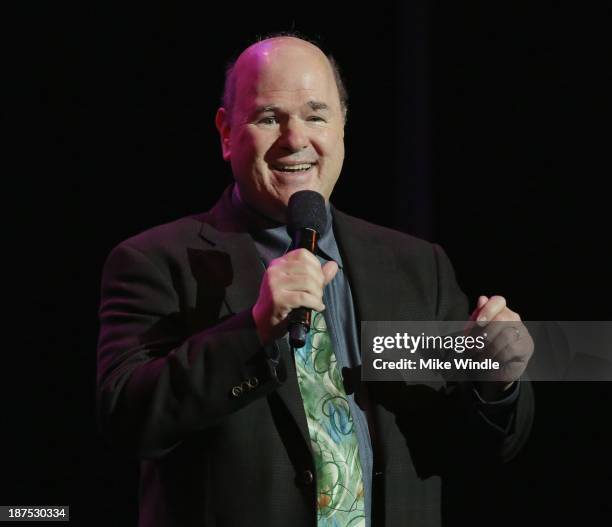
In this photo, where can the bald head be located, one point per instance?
(282, 126)
(269, 51)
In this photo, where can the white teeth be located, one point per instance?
(293, 168)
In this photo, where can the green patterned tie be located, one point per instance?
(340, 492)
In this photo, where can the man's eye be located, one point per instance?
(267, 120)
(316, 119)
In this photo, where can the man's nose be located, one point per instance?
(294, 136)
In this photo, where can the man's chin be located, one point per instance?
(273, 204)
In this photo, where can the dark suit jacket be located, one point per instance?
(183, 382)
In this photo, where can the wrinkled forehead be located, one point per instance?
(284, 69)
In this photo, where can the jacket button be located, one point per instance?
(236, 391)
(307, 477)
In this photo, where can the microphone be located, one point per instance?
(306, 218)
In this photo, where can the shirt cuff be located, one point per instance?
(499, 414)
(508, 400)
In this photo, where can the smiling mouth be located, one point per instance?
(302, 167)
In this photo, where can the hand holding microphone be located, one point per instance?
(293, 284)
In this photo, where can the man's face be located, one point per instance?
(286, 132)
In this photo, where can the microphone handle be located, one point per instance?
(299, 318)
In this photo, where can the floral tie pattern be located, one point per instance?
(340, 491)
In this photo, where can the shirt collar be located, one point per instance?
(272, 236)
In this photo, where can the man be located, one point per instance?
(195, 372)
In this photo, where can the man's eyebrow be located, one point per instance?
(313, 105)
(266, 108)
(318, 106)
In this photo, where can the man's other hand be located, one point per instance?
(509, 344)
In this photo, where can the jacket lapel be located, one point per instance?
(222, 232)
(371, 269)
(246, 269)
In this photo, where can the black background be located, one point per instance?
(480, 127)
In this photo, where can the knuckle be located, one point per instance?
(277, 297)
(273, 269)
(500, 299)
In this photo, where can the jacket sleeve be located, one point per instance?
(156, 384)
(500, 429)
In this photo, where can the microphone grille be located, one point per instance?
(306, 210)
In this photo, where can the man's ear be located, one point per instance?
(221, 121)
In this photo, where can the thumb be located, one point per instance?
(482, 300)
(329, 271)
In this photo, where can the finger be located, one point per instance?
(302, 255)
(510, 361)
(482, 300)
(295, 275)
(505, 318)
(506, 338)
(293, 299)
(329, 271)
(490, 309)
(297, 283)
(298, 268)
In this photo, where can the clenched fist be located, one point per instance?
(510, 344)
(296, 279)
